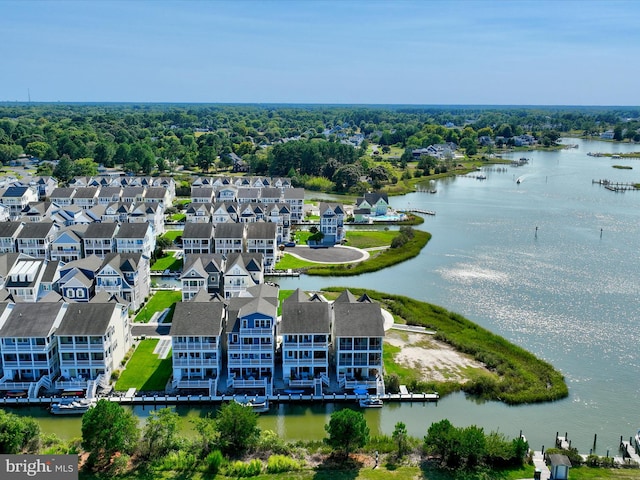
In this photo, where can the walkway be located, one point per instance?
(337, 254)
(539, 464)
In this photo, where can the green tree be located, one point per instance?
(45, 169)
(103, 154)
(347, 431)
(63, 171)
(84, 167)
(208, 432)
(37, 149)
(237, 426)
(159, 435)
(401, 437)
(18, 434)
(143, 156)
(108, 428)
(122, 154)
(206, 157)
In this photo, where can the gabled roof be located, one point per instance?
(87, 319)
(61, 192)
(86, 192)
(334, 207)
(229, 230)
(198, 230)
(9, 229)
(346, 297)
(101, 230)
(122, 262)
(36, 230)
(198, 319)
(264, 290)
(300, 315)
(252, 262)
(293, 194)
(356, 319)
(260, 306)
(28, 320)
(133, 230)
(15, 191)
(204, 263)
(262, 231)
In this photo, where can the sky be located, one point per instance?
(455, 52)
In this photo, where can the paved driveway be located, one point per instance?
(337, 254)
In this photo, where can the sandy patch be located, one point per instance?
(434, 360)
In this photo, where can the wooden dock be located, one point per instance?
(423, 212)
(629, 453)
(616, 186)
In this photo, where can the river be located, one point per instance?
(551, 264)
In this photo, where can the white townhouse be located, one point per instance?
(9, 236)
(63, 197)
(37, 211)
(99, 239)
(248, 195)
(67, 246)
(135, 238)
(16, 198)
(204, 194)
(229, 238)
(224, 212)
(116, 212)
(77, 279)
(133, 194)
(251, 341)
(109, 195)
(158, 195)
(35, 239)
(202, 272)
(86, 197)
(279, 214)
(197, 238)
(198, 213)
(30, 279)
(126, 275)
(28, 345)
(332, 223)
(242, 271)
(263, 238)
(226, 193)
(294, 197)
(196, 342)
(358, 334)
(93, 338)
(305, 329)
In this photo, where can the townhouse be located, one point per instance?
(34, 239)
(263, 238)
(135, 238)
(77, 279)
(9, 236)
(242, 271)
(16, 198)
(229, 238)
(198, 238)
(68, 243)
(99, 239)
(126, 275)
(202, 271)
(332, 223)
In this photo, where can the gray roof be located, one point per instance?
(197, 318)
(110, 191)
(62, 192)
(36, 230)
(7, 261)
(8, 229)
(155, 192)
(86, 319)
(229, 230)
(262, 230)
(206, 262)
(86, 192)
(28, 320)
(127, 262)
(270, 192)
(335, 207)
(132, 230)
(198, 230)
(305, 317)
(101, 230)
(50, 271)
(355, 319)
(253, 262)
(559, 459)
(293, 194)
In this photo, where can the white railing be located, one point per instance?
(187, 384)
(15, 385)
(195, 362)
(325, 379)
(301, 382)
(194, 346)
(70, 384)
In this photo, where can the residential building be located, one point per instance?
(196, 342)
(198, 238)
(86, 197)
(16, 198)
(109, 195)
(9, 236)
(93, 338)
(25, 279)
(135, 238)
(126, 275)
(63, 197)
(199, 213)
(224, 212)
(67, 246)
(204, 194)
(332, 223)
(77, 279)
(242, 271)
(35, 239)
(229, 238)
(305, 329)
(358, 334)
(251, 341)
(376, 203)
(99, 239)
(202, 272)
(262, 238)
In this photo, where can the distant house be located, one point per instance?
(16, 198)
(608, 135)
(376, 203)
(63, 197)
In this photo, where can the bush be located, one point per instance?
(392, 383)
(214, 461)
(178, 461)
(271, 442)
(241, 469)
(281, 464)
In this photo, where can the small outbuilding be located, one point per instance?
(559, 466)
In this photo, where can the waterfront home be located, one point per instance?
(67, 245)
(262, 238)
(9, 236)
(151, 213)
(280, 214)
(93, 338)
(376, 204)
(242, 271)
(294, 197)
(63, 197)
(202, 272)
(135, 238)
(229, 238)
(77, 279)
(305, 329)
(99, 239)
(199, 213)
(34, 239)
(251, 340)
(18, 197)
(28, 346)
(126, 275)
(224, 212)
(331, 223)
(358, 334)
(29, 279)
(196, 342)
(198, 238)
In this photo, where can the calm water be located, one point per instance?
(569, 294)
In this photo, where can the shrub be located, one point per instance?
(271, 442)
(281, 464)
(392, 383)
(179, 461)
(241, 469)
(214, 461)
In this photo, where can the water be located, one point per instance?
(568, 294)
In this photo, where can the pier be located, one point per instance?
(423, 212)
(616, 186)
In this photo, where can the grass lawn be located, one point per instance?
(178, 217)
(157, 303)
(168, 261)
(370, 239)
(289, 261)
(145, 371)
(172, 234)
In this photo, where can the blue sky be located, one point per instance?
(409, 52)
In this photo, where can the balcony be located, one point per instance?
(243, 362)
(195, 362)
(250, 348)
(194, 346)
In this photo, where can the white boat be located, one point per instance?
(371, 402)
(637, 440)
(72, 407)
(481, 176)
(258, 404)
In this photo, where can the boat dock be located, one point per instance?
(629, 453)
(616, 186)
(423, 212)
(151, 400)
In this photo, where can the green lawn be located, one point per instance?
(145, 371)
(370, 239)
(168, 261)
(178, 217)
(160, 300)
(289, 261)
(172, 234)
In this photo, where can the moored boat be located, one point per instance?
(258, 404)
(371, 402)
(72, 407)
